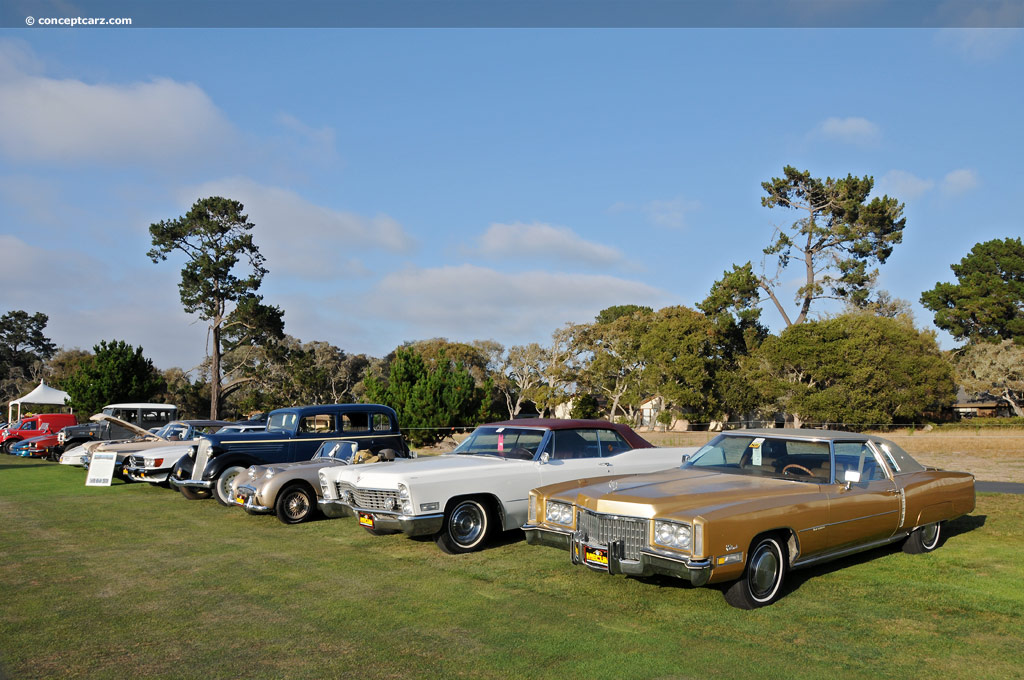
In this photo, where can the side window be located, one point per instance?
(857, 457)
(612, 443)
(30, 425)
(381, 422)
(317, 424)
(355, 422)
(569, 444)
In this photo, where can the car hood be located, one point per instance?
(146, 434)
(390, 473)
(685, 490)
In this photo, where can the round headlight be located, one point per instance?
(390, 503)
(349, 498)
(406, 507)
(270, 472)
(252, 472)
(403, 491)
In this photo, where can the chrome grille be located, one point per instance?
(369, 499)
(604, 529)
(136, 461)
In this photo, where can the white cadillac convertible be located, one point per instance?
(483, 486)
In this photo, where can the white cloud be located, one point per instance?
(468, 302)
(960, 181)
(320, 142)
(671, 213)
(70, 121)
(978, 44)
(852, 130)
(538, 240)
(904, 185)
(89, 301)
(301, 238)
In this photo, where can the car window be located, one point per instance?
(30, 425)
(612, 443)
(898, 459)
(355, 422)
(282, 422)
(151, 417)
(766, 457)
(319, 423)
(381, 422)
(570, 444)
(857, 457)
(506, 442)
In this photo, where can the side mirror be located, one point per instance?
(544, 457)
(851, 477)
(686, 457)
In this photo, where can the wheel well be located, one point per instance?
(786, 537)
(491, 503)
(299, 482)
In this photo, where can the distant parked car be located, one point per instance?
(144, 416)
(464, 497)
(34, 426)
(44, 446)
(750, 506)
(241, 427)
(292, 434)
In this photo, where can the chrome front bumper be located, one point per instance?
(696, 572)
(249, 493)
(410, 525)
(197, 483)
(143, 475)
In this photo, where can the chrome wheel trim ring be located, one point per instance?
(467, 524)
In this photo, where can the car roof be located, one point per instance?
(800, 433)
(330, 408)
(634, 440)
(202, 423)
(140, 405)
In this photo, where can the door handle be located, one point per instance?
(605, 464)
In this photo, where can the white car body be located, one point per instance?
(153, 465)
(417, 497)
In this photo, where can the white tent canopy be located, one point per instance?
(40, 395)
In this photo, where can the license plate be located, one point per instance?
(240, 499)
(597, 557)
(365, 520)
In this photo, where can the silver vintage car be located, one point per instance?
(291, 490)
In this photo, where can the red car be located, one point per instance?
(35, 426)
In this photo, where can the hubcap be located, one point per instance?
(930, 534)
(296, 505)
(467, 524)
(764, 571)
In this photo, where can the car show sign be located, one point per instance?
(101, 469)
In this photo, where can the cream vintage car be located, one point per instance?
(482, 487)
(749, 506)
(291, 490)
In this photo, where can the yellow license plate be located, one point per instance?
(595, 556)
(365, 520)
(240, 499)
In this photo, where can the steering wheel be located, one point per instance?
(798, 467)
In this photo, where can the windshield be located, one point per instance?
(758, 456)
(282, 422)
(503, 442)
(336, 450)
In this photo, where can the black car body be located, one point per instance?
(292, 434)
(145, 416)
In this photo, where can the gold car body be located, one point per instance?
(640, 524)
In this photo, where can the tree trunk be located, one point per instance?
(215, 375)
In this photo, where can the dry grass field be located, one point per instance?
(995, 455)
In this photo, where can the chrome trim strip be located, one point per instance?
(849, 551)
(846, 521)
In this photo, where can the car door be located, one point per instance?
(866, 510)
(574, 454)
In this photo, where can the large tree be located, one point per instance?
(854, 369)
(987, 301)
(997, 368)
(837, 235)
(116, 373)
(432, 398)
(222, 272)
(23, 349)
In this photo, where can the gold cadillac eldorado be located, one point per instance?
(749, 506)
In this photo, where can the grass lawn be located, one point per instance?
(135, 581)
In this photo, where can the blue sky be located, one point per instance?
(479, 184)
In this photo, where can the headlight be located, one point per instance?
(673, 535)
(559, 513)
(251, 472)
(403, 491)
(270, 472)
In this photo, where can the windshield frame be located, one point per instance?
(737, 470)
